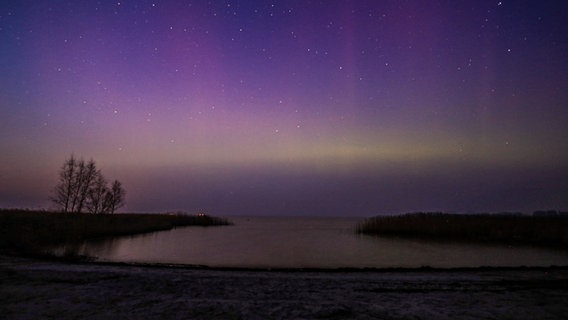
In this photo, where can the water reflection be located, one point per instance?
(271, 242)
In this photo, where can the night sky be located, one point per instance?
(289, 107)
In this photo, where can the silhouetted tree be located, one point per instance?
(82, 186)
(65, 189)
(97, 195)
(75, 179)
(87, 175)
(115, 198)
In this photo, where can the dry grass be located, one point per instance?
(495, 228)
(30, 232)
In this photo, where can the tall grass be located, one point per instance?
(496, 228)
(30, 232)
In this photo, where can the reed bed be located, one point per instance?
(494, 228)
(30, 232)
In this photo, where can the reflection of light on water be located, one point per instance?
(92, 248)
(307, 242)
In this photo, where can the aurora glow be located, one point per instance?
(289, 107)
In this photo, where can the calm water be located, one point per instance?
(307, 242)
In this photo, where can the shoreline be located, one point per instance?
(86, 260)
(31, 232)
(340, 270)
(310, 269)
(498, 228)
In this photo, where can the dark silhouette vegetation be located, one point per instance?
(550, 229)
(83, 188)
(32, 232)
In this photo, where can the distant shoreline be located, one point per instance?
(507, 229)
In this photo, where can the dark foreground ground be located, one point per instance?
(31, 289)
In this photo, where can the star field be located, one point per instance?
(289, 107)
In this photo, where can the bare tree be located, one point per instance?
(86, 180)
(65, 190)
(97, 194)
(82, 186)
(115, 197)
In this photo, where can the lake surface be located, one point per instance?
(308, 242)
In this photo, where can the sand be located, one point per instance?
(33, 289)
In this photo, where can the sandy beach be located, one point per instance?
(32, 289)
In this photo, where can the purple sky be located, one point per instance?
(289, 107)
